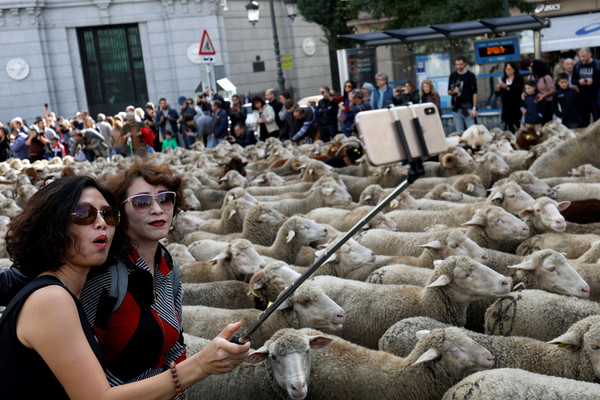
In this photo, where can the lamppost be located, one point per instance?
(252, 10)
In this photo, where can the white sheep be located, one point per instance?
(218, 294)
(536, 314)
(569, 356)
(573, 245)
(344, 370)
(490, 227)
(278, 369)
(344, 220)
(371, 309)
(180, 254)
(239, 261)
(308, 306)
(516, 384)
(576, 191)
(326, 194)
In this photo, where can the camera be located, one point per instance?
(453, 86)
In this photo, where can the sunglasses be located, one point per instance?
(143, 202)
(85, 214)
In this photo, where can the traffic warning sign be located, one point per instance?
(206, 46)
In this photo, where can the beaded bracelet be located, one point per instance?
(178, 391)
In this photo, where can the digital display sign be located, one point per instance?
(497, 50)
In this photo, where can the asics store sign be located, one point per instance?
(547, 8)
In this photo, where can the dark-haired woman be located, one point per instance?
(545, 87)
(510, 90)
(4, 143)
(264, 115)
(345, 116)
(51, 339)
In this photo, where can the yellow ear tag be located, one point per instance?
(228, 201)
(287, 237)
(469, 187)
(393, 204)
(269, 305)
(334, 149)
(528, 137)
(563, 346)
(215, 262)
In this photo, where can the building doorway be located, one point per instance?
(113, 68)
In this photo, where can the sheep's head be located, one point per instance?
(288, 352)
(303, 230)
(498, 224)
(511, 197)
(585, 335)
(452, 350)
(456, 243)
(549, 270)
(531, 183)
(244, 259)
(314, 309)
(468, 280)
(545, 215)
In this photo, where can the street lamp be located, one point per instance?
(252, 10)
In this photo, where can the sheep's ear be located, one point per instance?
(367, 197)
(435, 245)
(326, 191)
(429, 355)
(286, 304)
(526, 212)
(469, 187)
(232, 213)
(221, 256)
(567, 340)
(258, 355)
(527, 266)
(446, 195)
(477, 220)
(310, 171)
(263, 218)
(319, 342)
(437, 262)
(224, 178)
(563, 205)
(230, 198)
(496, 197)
(290, 235)
(421, 334)
(321, 251)
(394, 203)
(443, 280)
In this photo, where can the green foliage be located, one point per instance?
(332, 16)
(412, 13)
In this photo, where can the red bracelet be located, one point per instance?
(178, 391)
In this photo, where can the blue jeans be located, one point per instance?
(461, 123)
(213, 142)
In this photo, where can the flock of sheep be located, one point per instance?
(473, 268)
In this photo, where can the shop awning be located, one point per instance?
(565, 33)
(455, 30)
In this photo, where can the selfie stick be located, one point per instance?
(416, 169)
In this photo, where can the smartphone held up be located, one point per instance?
(382, 142)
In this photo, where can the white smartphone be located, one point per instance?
(379, 134)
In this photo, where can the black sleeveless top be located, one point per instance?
(23, 373)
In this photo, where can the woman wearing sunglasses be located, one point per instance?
(48, 349)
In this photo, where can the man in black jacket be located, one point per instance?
(327, 115)
(586, 75)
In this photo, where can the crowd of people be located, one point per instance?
(532, 99)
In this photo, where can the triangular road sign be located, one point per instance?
(206, 46)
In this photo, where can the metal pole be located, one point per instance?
(280, 78)
(537, 44)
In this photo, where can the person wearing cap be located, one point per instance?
(166, 114)
(133, 136)
(150, 122)
(186, 109)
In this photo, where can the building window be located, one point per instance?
(113, 68)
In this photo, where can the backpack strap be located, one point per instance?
(118, 283)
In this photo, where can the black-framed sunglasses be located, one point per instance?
(85, 214)
(143, 202)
